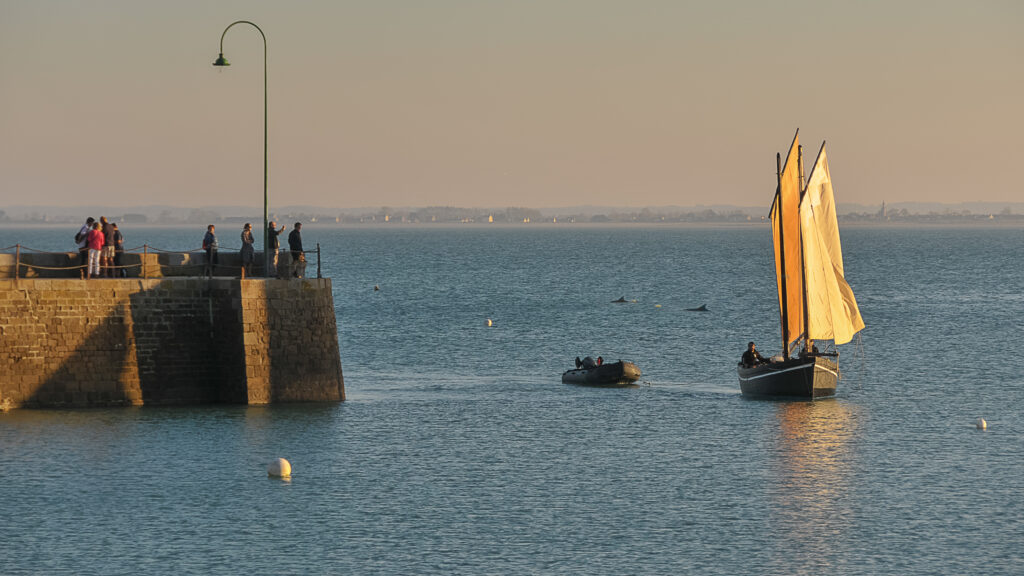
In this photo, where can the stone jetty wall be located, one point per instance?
(77, 343)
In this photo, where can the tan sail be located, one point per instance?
(832, 311)
(789, 220)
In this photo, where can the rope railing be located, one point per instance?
(146, 267)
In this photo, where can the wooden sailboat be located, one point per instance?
(815, 302)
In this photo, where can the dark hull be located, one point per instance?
(811, 377)
(613, 375)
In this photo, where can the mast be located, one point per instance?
(782, 259)
(803, 264)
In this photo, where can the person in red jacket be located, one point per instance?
(95, 241)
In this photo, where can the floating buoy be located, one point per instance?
(489, 323)
(657, 305)
(279, 468)
(376, 287)
(981, 424)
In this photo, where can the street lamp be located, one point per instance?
(221, 61)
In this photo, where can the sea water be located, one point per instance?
(459, 451)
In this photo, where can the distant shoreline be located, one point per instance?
(1004, 222)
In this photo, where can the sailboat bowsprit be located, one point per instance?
(815, 302)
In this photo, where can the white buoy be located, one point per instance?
(489, 323)
(279, 468)
(981, 424)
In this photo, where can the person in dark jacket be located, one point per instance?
(119, 270)
(210, 245)
(248, 252)
(751, 357)
(295, 245)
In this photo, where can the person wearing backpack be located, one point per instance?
(82, 241)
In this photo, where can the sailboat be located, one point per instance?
(815, 302)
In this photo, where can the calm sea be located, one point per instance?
(460, 452)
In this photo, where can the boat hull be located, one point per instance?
(615, 375)
(809, 377)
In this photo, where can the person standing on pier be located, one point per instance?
(274, 246)
(95, 243)
(107, 253)
(210, 245)
(247, 253)
(119, 272)
(298, 257)
(82, 240)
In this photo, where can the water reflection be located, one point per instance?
(811, 479)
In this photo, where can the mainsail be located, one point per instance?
(785, 216)
(832, 312)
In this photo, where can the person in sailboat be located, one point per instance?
(811, 351)
(752, 357)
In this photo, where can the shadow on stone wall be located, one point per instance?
(101, 371)
(178, 345)
(170, 341)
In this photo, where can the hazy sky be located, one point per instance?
(526, 103)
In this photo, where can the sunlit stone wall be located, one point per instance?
(70, 343)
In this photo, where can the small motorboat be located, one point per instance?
(616, 374)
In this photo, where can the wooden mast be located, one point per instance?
(803, 264)
(782, 258)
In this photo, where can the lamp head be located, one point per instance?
(221, 61)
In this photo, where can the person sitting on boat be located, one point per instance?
(812, 352)
(588, 362)
(579, 363)
(752, 357)
(600, 360)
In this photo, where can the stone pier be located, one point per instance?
(78, 343)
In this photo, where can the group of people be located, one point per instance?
(248, 251)
(100, 249)
(750, 359)
(753, 358)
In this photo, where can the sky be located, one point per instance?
(545, 103)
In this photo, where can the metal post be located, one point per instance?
(17, 260)
(145, 261)
(266, 173)
(318, 274)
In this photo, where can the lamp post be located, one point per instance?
(221, 61)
